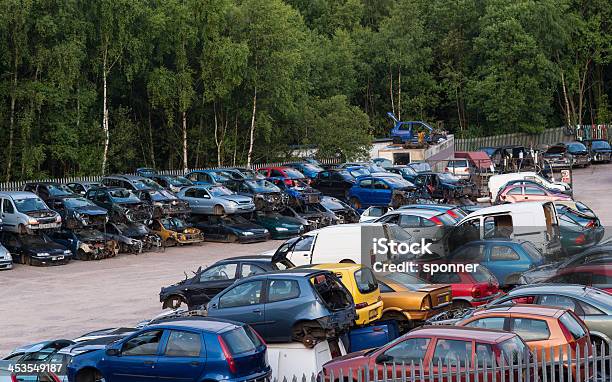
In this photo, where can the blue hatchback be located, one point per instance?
(506, 259)
(377, 190)
(196, 349)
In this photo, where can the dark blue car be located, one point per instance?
(290, 305)
(309, 169)
(505, 259)
(378, 191)
(182, 349)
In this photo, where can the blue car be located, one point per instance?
(379, 191)
(180, 349)
(308, 169)
(290, 305)
(204, 177)
(505, 259)
(298, 193)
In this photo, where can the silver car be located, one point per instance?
(24, 212)
(215, 200)
(6, 260)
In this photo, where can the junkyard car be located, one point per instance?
(187, 349)
(207, 283)
(598, 276)
(445, 186)
(334, 183)
(6, 260)
(599, 150)
(380, 191)
(298, 191)
(293, 305)
(280, 227)
(81, 188)
(24, 212)
(35, 249)
(456, 213)
(122, 205)
(593, 306)
(344, 212)
(207, 177)
(173, 183)
(133, 237)
(47, 190)
(78, 212)
(461, 168)
(288, 174)
(311, 216)
(578, 230)
(361, 283)
(529, 193)
(244, 173)
(86, 244)
(230, 228)
(173, 231)
(411, 300)
(565, 155)
(309, 169)
(265, 195)
(215, 200)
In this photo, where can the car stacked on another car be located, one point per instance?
(215, 200)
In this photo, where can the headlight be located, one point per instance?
(67, 252)
(58, 219)
(233, 203)
(282, 229)
(8, 256)
(42, 254)
(247, 233)
(266, 231)
(32, 221)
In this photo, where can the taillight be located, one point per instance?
(580, 239)
(446, 169)
(476, 292)
(436, 221)
(361, 305)
(426, 304)
(590, 224)
(288, 182)
(14, 378)
(231, 363)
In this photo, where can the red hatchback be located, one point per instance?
(433, 345)
(288, 174)
(469, 289)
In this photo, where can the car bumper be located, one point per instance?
(265, 376)
(6, 264)
(422, 315)
(239, 209)
(35, 227)
(601, 157)
(253, 238)
(284, 234)
(369, 313)
(52, 260)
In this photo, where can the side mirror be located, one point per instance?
(383, 358)
(113, 352)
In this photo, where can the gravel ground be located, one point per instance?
(66, 301)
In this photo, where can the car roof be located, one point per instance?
(336, 266)
(294, 272)
(599, 269)
(421, 212)
(461, 333)
(19, 194)
(212, 325)
(258, 258)
(538, 310)
(570, 289)
(502, 208)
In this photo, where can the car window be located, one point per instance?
(384, 288)
(503, 253)
(559, 301)
(590, 310)
(452, 351)
(251, 269)
(515, 191)
(411, 350)
(484, 353)
(219, 272)
(512, 349)
(304, 243)
(366, 183)
(276, 173)
(366, 282)
(445, 278)
(470, 253)
(499, 226)
(143, 344)
(248, 293)
(572, 325)
(409, 221)
(530, 329)
(380, 185)
(7, 206)
(183, 344)
(280, 290)
(488, 323)
(323, 175)
(534, 191)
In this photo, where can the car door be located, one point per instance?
(365, 193)
(503, 261)
(382, 192)
(514, 195)
(534, 194)
(411, 224)
(337, 185)
(137, 358)
(323, 183)
(183, 356)
(9, 216)
(452, 352)
(210, 282)
(243, 302)
(408, 352)
(282, 308)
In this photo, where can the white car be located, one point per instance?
(294, 359)
(6, 260)
(459, 167)
(496, 182)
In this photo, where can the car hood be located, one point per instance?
(42, 214)
(244, 227)
(91, 210)
(47, 247)
(542, 272)
(236, 198)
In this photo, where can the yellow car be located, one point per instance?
(362, 285)
(411, 300)
(174, 231)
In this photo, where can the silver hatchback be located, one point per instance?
(24, 212)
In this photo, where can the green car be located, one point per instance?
(280, 227)
(578, 230)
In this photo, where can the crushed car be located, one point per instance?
(344, 212)
(265, 195)
(298, 191)
(175, 231)
(122, 205)
(78, 212)
(230, 229)
(133, 237)
(87, 243)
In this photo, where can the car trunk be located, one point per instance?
(331, 291)
(440, 294)
(244, 349)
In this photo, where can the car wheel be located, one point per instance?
(22, 229)
(173, 302)
(81, 255)
(355, 203)
(89, 376)
(404, 324)
(169, 243)
(347, 261)
(218, 210)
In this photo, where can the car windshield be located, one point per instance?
(576, 147)
(173, 224)
(359, 171)
(261, 185)
(420, 166)
(600, 145)
(482, 275)
(90, 234)
(376, 168)
(397, 182)
(448, 177)
(123, 196)
(332, 204)
(293, 173)
(59, 190)
(457, 163)
(142, 185)
(30, 205)
(179, 181)
(36, 239)
(600, 297)
(366, 282)
(77, 202)
(312, 167)
(407, 171)
(219, 191)
(159, 195)
(222, 176)
(532, 251)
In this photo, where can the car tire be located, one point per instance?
(355, 203)
(89, 375)
(218, 210)
(22, 229)
(404, 324)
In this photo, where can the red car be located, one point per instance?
(598, 276)
(469, 289)
(288, 174)
(448, 344)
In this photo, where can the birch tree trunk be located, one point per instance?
(185, 164)
(252, 131)
(105, 125)
(399, 94)
(568, 118)
(12, 124)
(391, 90)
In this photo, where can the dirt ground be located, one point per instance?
(66, 301)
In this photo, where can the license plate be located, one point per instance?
(372, 313)
(48, 225)
(57, 258)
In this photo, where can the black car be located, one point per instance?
(86, 244)
(133, 237)
(207, 283)
(47, 190)
(81, 188)
(334, 183)
(37, 249)
(78, 212)
(344, 212)
(265, 194)
(122, 205)
(599, 150)
(230, 228)
(172, 183)
(567, 154)
(312, 216)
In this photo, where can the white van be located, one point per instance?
(496, 182)
(339, 243)
(294, 359)
(536, 222)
